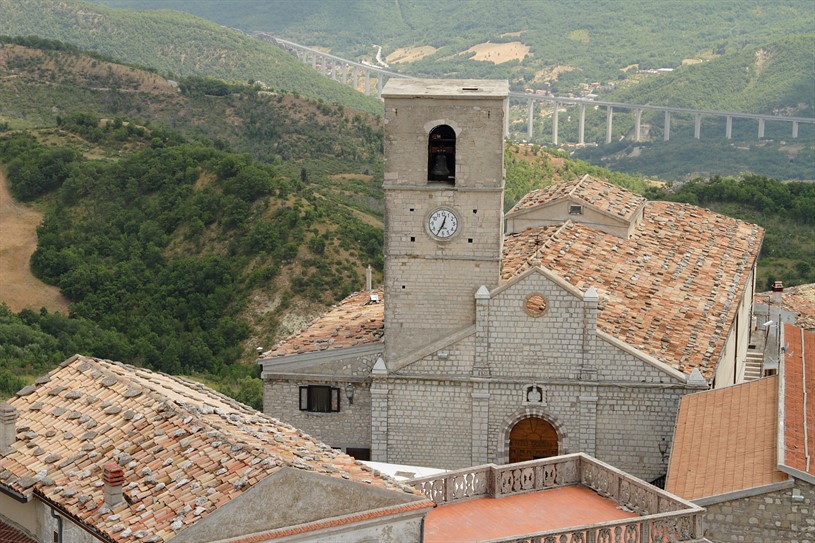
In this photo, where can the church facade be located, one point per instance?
(575, 323)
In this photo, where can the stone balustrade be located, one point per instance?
(663, 518)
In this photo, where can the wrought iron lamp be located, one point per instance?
(349, 393)
(663, 449)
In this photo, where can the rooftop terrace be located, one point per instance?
(565, 498)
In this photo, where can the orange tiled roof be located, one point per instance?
(599, 194)
(725, 441)
(799, 408)
(185, 449)
(8, 534)
(671, 290)
(354, 321)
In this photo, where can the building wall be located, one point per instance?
(351, 426)
(384, 531)
(558, 213)
(22, 515)
(429, 423)
(730, 370)
(593, 391)
(430, 283)
(764, 518)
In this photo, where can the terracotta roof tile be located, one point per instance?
(354, 321)
(799, 399)
(9, 534)
(671, 290)
(185, 449)
(594, 192)
(725, 440)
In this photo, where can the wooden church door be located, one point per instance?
(532, 438)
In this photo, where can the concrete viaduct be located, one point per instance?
(359, 75)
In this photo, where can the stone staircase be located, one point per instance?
(753, 363)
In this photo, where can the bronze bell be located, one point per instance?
(440, 167)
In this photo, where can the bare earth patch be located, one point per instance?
(551, 74)
(19, 289)
(498, 53)
(410, 54)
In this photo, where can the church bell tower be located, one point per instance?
(444, 193)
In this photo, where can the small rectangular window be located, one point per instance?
(575, 210)
(319, 399)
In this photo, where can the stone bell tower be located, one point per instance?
(444, 193)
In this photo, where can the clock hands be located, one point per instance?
(442, 226)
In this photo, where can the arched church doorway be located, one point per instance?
(532, 438)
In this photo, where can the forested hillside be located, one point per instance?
(189, 226)
(176, 44)
(583, 40)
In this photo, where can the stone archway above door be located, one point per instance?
(526, 412)
(532, 438)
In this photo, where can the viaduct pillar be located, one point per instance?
(794, 129)
(367, 82)
(581, 123)
(554, 122)
(609, 113)
(760, 128)
(728, 128)
(697, 126)
(667, 135)
(530, 113)
(637, 120)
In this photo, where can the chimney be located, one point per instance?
(113, 475)
(368, 279)
(8, 428)
(778, 291)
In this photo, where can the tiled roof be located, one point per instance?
(185, 449)
(356, 320)
(8, 534)
(671, 290)
(599, 194)
(725, 441)
(800, 299)
(799, 399)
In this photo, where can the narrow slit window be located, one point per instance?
(441, 155)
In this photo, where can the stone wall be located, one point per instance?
(771, 517)
(351, 426)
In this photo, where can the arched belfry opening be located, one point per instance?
(441, 155)
(532, 438)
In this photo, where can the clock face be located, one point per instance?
(442, 223)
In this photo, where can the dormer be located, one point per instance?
(587, 200)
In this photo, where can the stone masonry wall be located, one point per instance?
(771, 517)
(351, 426)
(545, 347)
(430, 423)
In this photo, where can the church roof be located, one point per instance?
(356, 320)
(186, 450)
(671, 290)
(588, 190)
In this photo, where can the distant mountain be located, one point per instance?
(775, 78)
(175, 44)
(555, 43)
